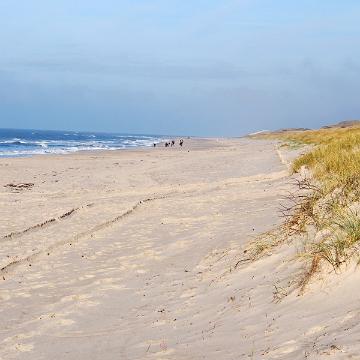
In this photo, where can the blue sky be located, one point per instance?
(178, 67)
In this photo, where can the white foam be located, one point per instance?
(41, 147)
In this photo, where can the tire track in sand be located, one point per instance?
(12, 265)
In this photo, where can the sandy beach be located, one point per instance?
(137, 254)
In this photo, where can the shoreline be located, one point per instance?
(134, 148)
(22, 142)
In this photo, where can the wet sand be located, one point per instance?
(131, 254)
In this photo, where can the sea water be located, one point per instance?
(16, 142)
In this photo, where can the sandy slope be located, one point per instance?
(127, 255)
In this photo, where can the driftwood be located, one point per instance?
(20, 186)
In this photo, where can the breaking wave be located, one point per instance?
(14, 143)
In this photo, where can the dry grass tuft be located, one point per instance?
(342, 243)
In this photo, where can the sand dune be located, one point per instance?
(133, 254)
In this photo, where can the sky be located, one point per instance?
(200, 67)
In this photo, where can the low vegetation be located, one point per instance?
(328, 201)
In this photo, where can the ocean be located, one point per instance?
(17, 143)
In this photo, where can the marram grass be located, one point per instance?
(335, 158)
(334, 162)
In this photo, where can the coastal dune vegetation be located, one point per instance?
(327, 206)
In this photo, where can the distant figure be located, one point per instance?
(166, 144)
(181, 142)
(172, 142)
(154, 144)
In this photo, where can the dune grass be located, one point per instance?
(335, 161)
(331, 195)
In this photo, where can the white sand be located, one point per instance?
(140, 268)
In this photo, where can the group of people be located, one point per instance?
(172, 143)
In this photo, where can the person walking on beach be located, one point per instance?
(181, 142)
